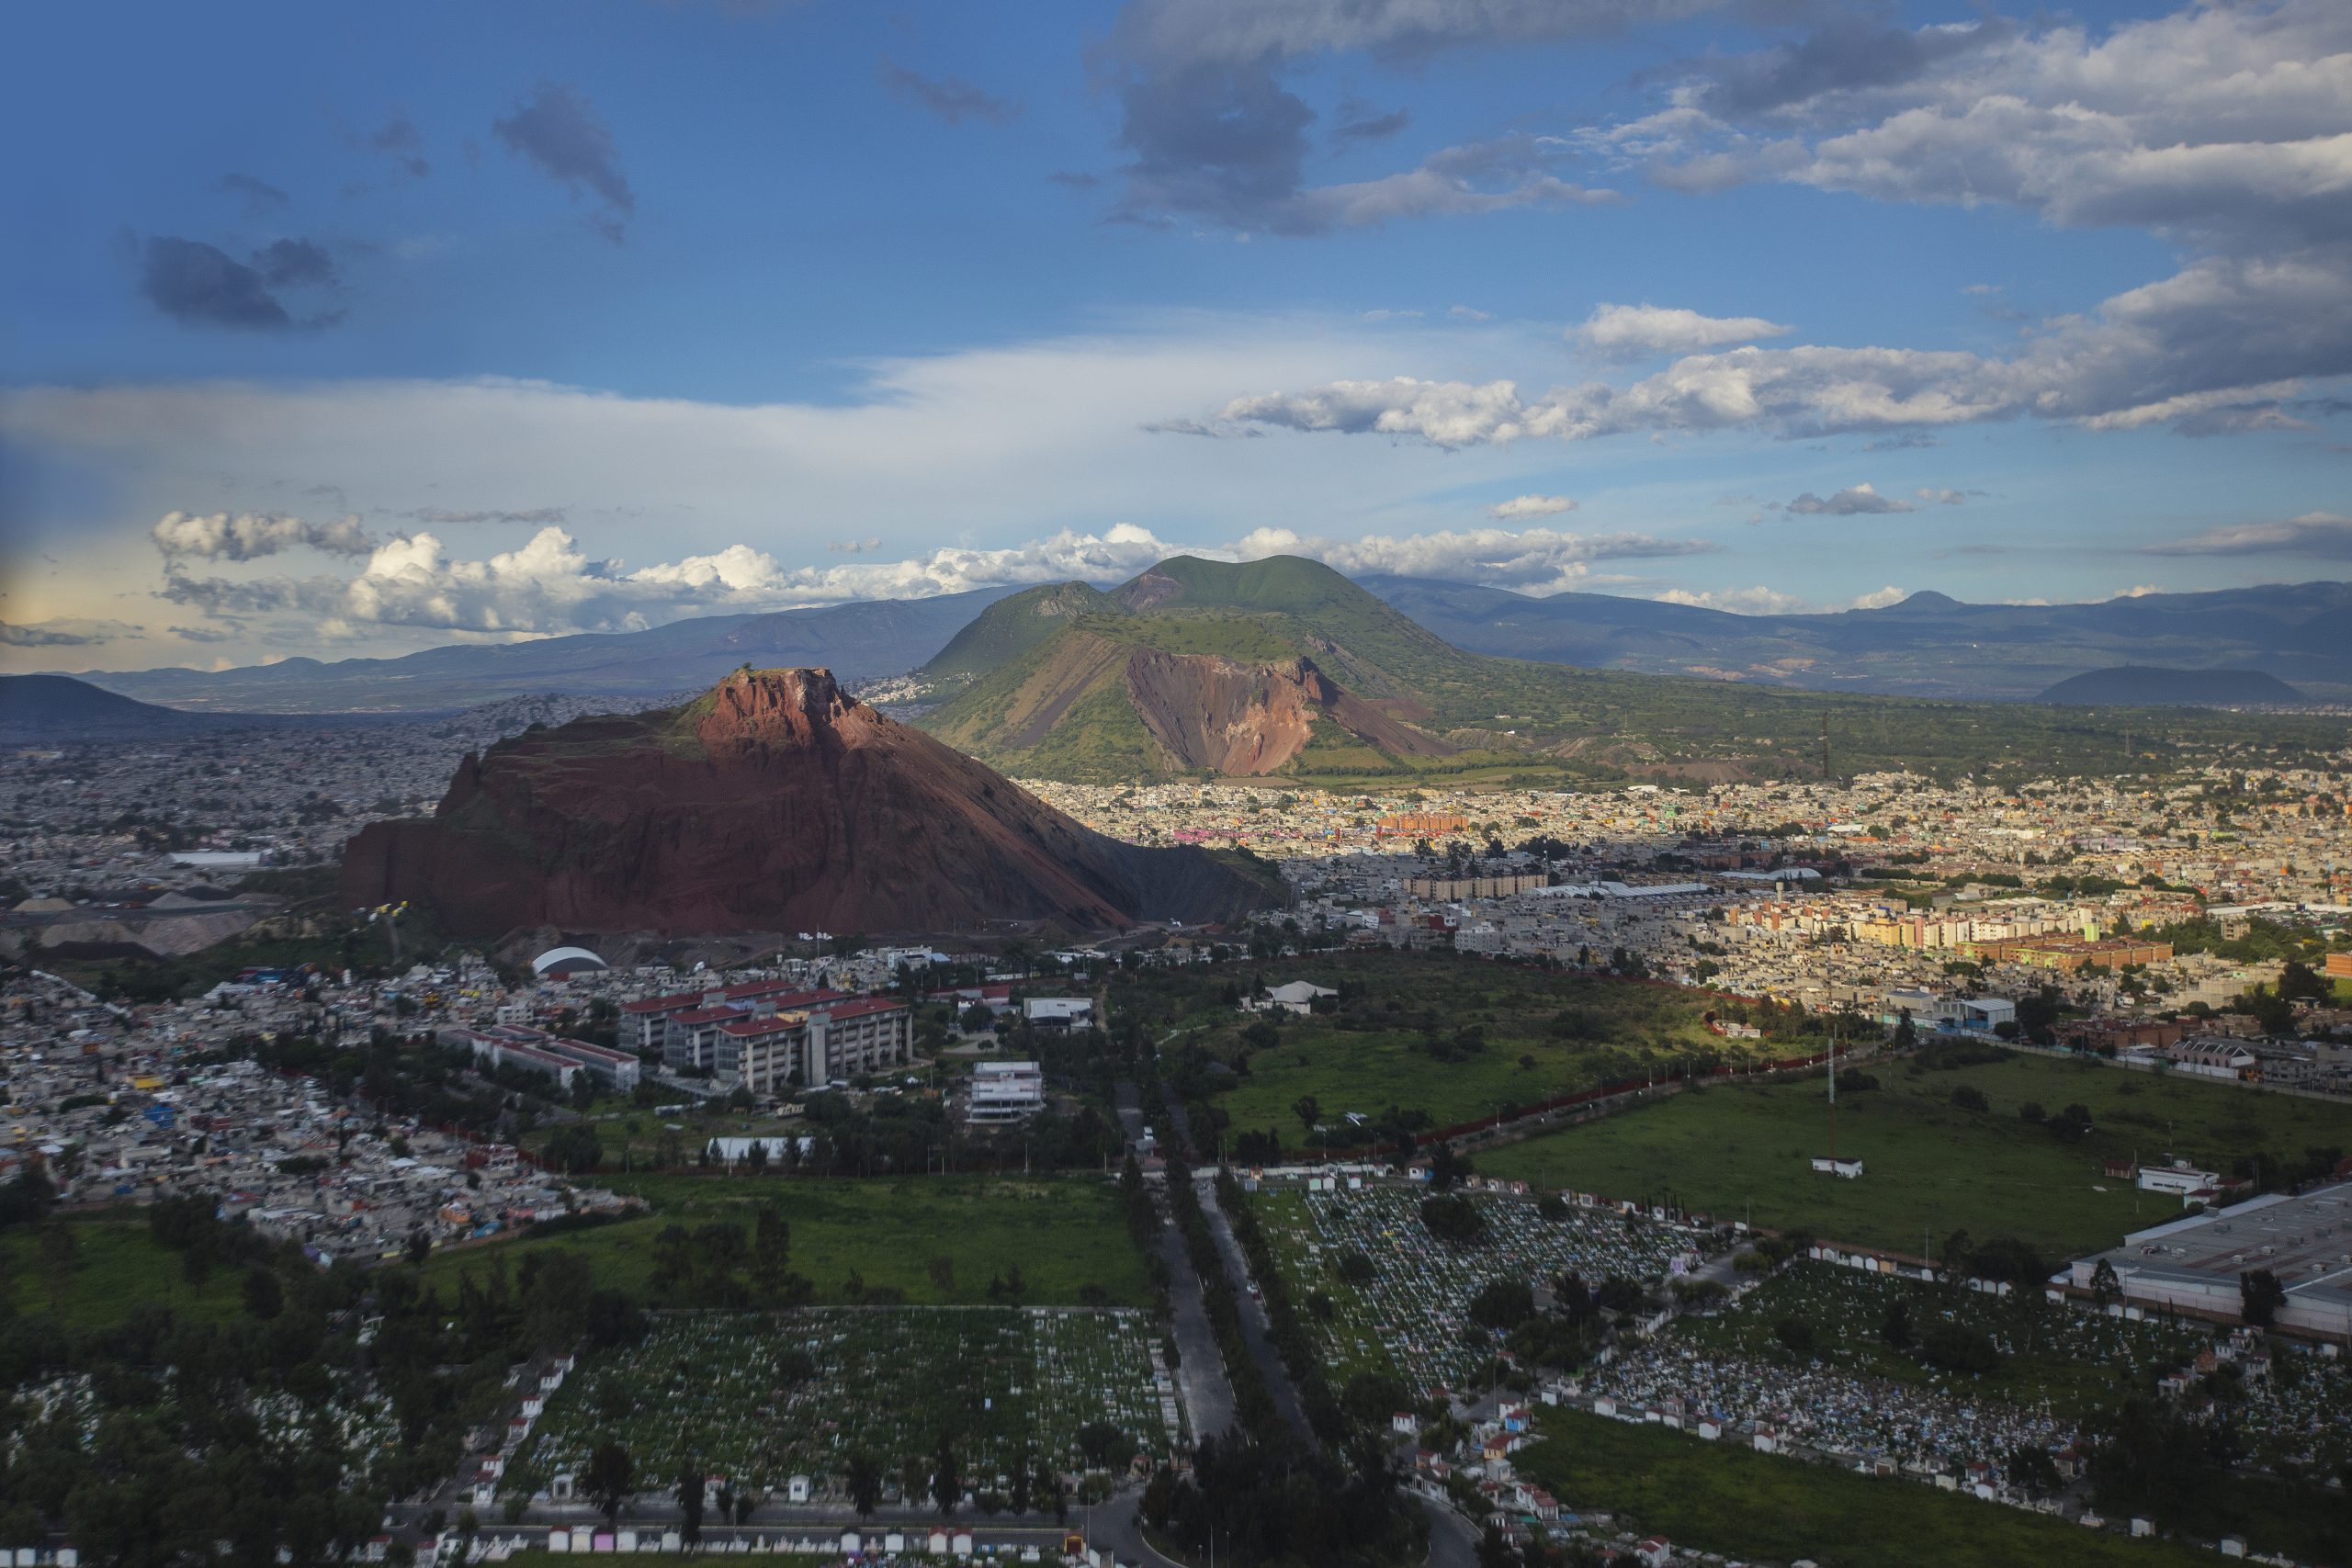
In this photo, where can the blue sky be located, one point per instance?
(340, 329)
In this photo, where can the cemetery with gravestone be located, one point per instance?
(1408, 1312)
(763, 1397)
(2019, 1347)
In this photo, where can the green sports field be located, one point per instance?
(1930, 1167)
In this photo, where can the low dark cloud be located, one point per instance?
(399, 139)
(1220, 138)
(1358, 124)
(220, 595)
(291, 264)
(259, 196)
(201, 634)
(1857, 501)
(1846, 55)
(201, 285)
(68, 633)
(536, 514)
(952, 98)
(1216, 134)
(558, 131)
(2320, 534)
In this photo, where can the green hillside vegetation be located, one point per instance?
(1011, 627)
(1504, 721)
(1931, 1167)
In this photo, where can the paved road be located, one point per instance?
(1454, 1541)
(1256, 1330)
(1208, 1393)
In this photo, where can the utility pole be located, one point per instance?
(1833, 1093)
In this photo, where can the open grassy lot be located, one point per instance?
(1065, 1234)
(1931, 1167)
(120, 1267)
(1708, 1496)
(1399, 1038)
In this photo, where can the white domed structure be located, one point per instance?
(557, 962)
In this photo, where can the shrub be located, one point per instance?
(1453, 1218)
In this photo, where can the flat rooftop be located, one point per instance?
(2304, 1239)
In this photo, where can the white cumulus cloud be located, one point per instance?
(1635, 332)
(1518, 508)
(1755, 601)
(1534, 561)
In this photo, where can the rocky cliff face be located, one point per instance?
(775, 802)
(1239, 720)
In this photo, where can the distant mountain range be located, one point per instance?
(1928, 645)
(46, 708)
(882, 636)
(2140, 685)
(1285, 668)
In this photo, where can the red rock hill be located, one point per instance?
(774, 802)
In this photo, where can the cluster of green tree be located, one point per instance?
(413, 1077)
(1944, 1343)
(2071, 1125)
(1254, 1402)
(198, 1436)
(714, 1266)
(1250, 1500)
(1289, 1334)
(1453, 1219)
(2262, 941)
(25, 1199)
(2003, 1258)
(1949, 1056)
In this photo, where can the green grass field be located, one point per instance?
(120, 1268)
(1715, 1497)
(1930, 1168)
(1065, 1234)
(1543, 1035)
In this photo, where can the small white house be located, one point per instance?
(1059, 1012)
(1299, 996)
(1832, 1165)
